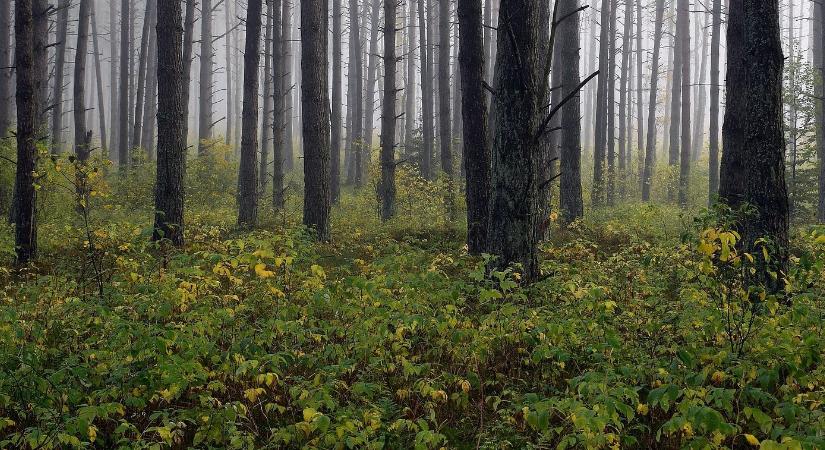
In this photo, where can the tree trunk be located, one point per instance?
(101, 108)
(172, 112)
(123, 115)
(25, 230)
(410, 89)
(611, 106)
(205, 95)
(640, 154)
(713, 132)
(337, 102)
(248, 171)
(600, 146)
(624, 131)
(444, 102)
(519, 104)
(188, 43)
(818, 48)
(753, 163)
(476, 152)
(143, 63)
(114, 104)
(269, 81)
(386, 187)
(372, 77)
(6, 102)
(147, 140)
(82, 136)
(59, 75)
(675, 105)
(230, 102)
(278, 193)
(650, 148)
(359, 147)
(698, 138)
(426, 92)
(286, 46)
(683, 18)
(315, 111)
(570, 184)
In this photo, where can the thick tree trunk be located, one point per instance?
(315, 111)
(410, 89)
(101, 105)
(683, 18)
(386, 186)
(337, 102)
(600, 145)
(278, 192)
(753, 163)
(713, 132)
(818, 48)
(25, 230)
(426, 92)
(359, 147)
(372, 77)
(650, 148)
(40, 12)
(519, 99)
(172, 112)
(474, 114)
(59, 75)
(82, 136)
(123, 99)
(205, 95)
(570, 184)
(248, 171)
(6, 101)
(143, 64)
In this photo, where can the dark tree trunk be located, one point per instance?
(570, 184)
(386, 187)
(172, 112)
(6, 70)
(372, 77)
(101, 108)
(230, 102)
(819, 63)
(426, 93)
(248, 171)
(410, 89)
(278, 192)
(59, 75)
(40, 13)
(519, 102)
(611, 106)
(753, 163)
(143, 76)
(82, 136)
(713, 132)
(205, 95)
(650, 148)
(269, 82)
(600, 146)
(25, 230)
(683, 19)
(359, 147)
(444, 87)
(337, 102)
(123, 115)
(315, 111)
(474, 111)
(114, 103)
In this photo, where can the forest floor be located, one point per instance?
(392, 337)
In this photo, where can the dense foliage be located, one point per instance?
(642, 333)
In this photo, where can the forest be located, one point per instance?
(412, 224)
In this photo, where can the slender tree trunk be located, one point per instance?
(143, 63)
(409, 106)
(25, 230)
(278, 192)
(488, 44)
(188, 44)
(358, 142)
(650, 148)
(713, 132)
(426, 92)
(172, 112)
(82, 136)
(753, 163)
(230, 102)
(101, 108)
(640, 133)
(611, 106)
(474, 111)
(698, 138)
(372, 77)
(59, 75)
(286, 52)
(818, 48)
(570, 184)
(268, 100)
(315, 111)
(519, 105)
(386, 187)
(337, 102)
(444, 102)
(114, 104)
(624, 131)
(6, 101)
(683, 17)
(205, 96)
(675, 105)
(248, 171)
(147, 139)
(600, 146)
(123, 116)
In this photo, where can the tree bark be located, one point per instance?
(101, 105)
(230, 102)
(114, 103)
(25, 230)
(426, 93)
(386, 187)
(818, 48)
(188, 43)
(286, 57)
(150, 106)
(269, 81)
(476, 152)
(519, 104)
(683, 17)
(172, 112)
(675, 104)
(337, 102)
(59, 75)
(205, 95)
(650, 148)
(278, 193)
(143, 63)
(315, 112)
(444, 87)
(600, 145)
(359, 144)
(82, 136)
(611, 106)
(570, 184)
(753, 163)
(624, 131)
(713, 132)
(697, 139)
(248, 171)
(372, 77)
(640, 154)
(410, 89)
(6, 70)
(123, 99)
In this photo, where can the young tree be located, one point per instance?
(753, 163)
(6, 70)
(444, 88)
(372, 77)
(675, 101)
(123, 114)
(278, 92)
(337, 101)
(150, 107)
(426, 93)
(386, 186)
(101, 105)
(172, 112)
(356, 64)
(25, 229)
(474, 111)
(624, 131)
(114, 103)
(206, 62)
(59, 75)
(683, 23)
(143, 76)
(269, 82)
(286, 57)
(230, 102)
(570, 184)
(610, 108)
(188, 43)
(248, 171)
(713, 132)
(82, 136)
(600, 146)
(315, 112)
(409, 104)
(650, 147)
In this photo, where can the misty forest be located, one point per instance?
(412, 224)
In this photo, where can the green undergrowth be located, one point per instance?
(393, 337)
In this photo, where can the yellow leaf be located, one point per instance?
(260, 270)
(309, 414)
(752, 440)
